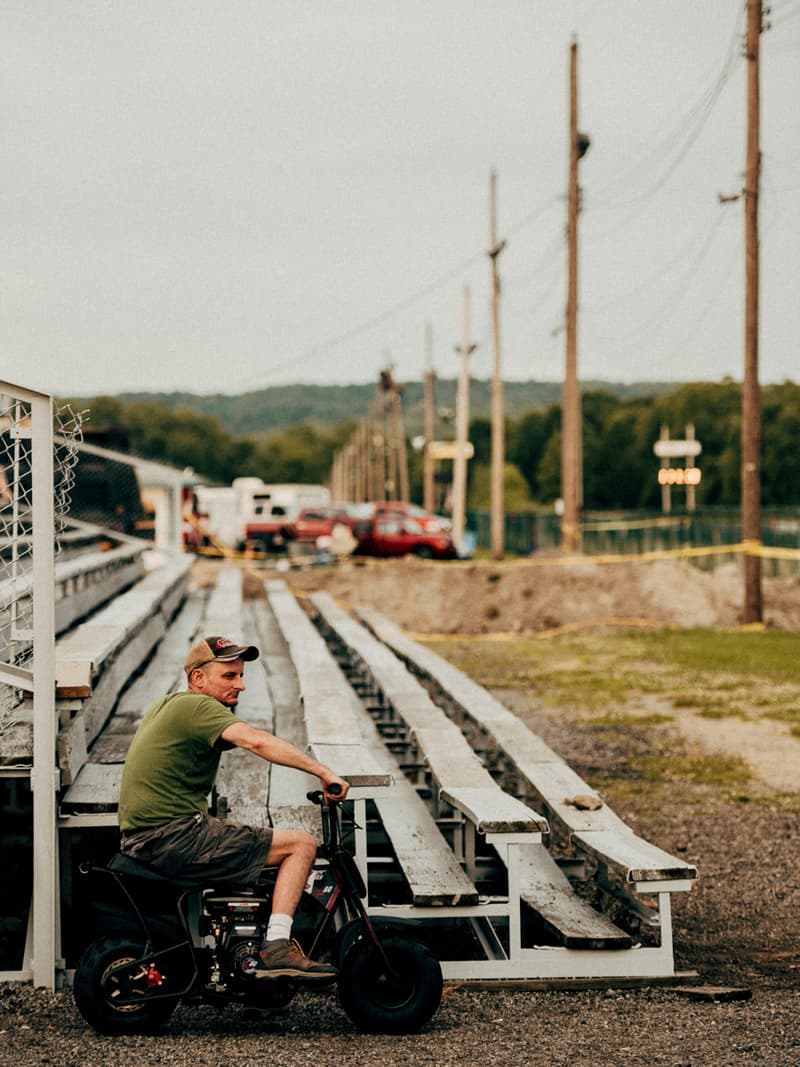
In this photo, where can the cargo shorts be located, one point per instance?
(201, 848)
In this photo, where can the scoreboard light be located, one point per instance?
(679, 476)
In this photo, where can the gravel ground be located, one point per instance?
(737, 928)
(578, 1029)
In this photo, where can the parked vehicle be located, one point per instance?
(164, 943)
(392, 533)
(318, 520)
(402, 510)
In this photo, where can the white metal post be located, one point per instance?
(43, 774)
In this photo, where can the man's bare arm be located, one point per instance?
(276, 750)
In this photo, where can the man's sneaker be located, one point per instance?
(285, 959)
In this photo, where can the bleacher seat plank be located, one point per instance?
(567, 917)
(94, 791)
(466, 785)
(461, 777)
(108, 632)
(243, 777)
(224, 607)
(546, 777)
(638, 860)
(348, 741)
(287, 805)
(93, 578)
(434, 876)
(331, 710)
(164, 673)
(491, 810)
(352, 762)
(111, 746)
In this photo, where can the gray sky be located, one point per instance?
(222, 196)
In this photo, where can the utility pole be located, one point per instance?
(399, 431)
(751, 408)
(429, 472)
(571, 446)
(498, 517)
(462, 427)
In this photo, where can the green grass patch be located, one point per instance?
(719, 710)
(613, 672)
(623, 720)
(697, 768)
(765, 654)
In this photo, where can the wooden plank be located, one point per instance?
(98, 639)
(74, 679)
(287, 802)
(16, 744)
(638, 859)
(86, 649)
(224, 609)
(571, 920)
(492, 811)
(450, 759)
(78, 603)
(353, 762)
(552, 783)
(164, 673)
(555, 784)
(460, 775)
(95, 789)
(95, 709)
(331, 711)
(429, 866)
(243, 778)
(111, 746)
(434, 876)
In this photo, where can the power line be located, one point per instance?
(681, 139)
(651, 280)
(406, 302)
(659, 314)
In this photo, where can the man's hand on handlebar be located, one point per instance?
(334, 787)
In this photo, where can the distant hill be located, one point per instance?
(281, 406)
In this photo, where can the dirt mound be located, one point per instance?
(544, 594)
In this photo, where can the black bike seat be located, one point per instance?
(121, 863)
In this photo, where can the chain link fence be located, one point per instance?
(16, 527)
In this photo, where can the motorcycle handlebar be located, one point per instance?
(317, 796)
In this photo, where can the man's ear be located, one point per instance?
(197, 679)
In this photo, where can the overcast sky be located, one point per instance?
(227, 195)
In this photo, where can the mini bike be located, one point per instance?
(164, 942)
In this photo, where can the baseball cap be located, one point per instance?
(217, 648)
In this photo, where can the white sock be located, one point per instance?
(279, 927)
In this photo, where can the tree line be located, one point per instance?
(619, 466)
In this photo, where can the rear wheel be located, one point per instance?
(396, 1001)
(98, 992)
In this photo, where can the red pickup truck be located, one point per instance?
(392, 531)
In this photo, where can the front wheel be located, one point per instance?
(399, 1001)
(423, 552)
(99, 993)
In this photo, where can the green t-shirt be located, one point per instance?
(172, 761)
